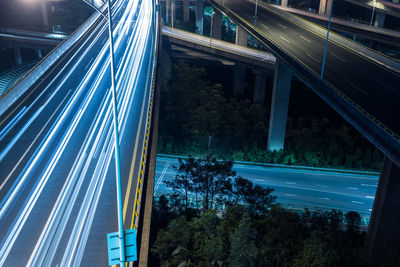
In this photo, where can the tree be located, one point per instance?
(182, 182)
(172, 245)
(259, 200)
(243, 248)
(316, 252)
(208, 245)
(353, 221)
(241, 190)
(212, 180)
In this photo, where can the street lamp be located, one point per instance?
(211, 27)
(121, 235)
(326, 42)
(255, 11)
(173, 13)
(373, 11)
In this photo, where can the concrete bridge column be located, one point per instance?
(239, 76)
(199, 16)
(217, 25)
(284, 3)
(45, 13)
(17, 55)
(379, 19)
(279, 107)
(186, 10)
(241, 36)
(383, 230)
(325, 7)
(259, 87)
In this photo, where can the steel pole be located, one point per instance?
(173, 13)
(116, 141)
(211, 28)
(326, 42)
(255, 11)
(372, 16)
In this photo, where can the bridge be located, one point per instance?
(57, 197)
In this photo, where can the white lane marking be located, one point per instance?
(265, 26)
(313, 57)
(259, 180)
(290, 182)
(369, 209)
(286, 40)
(89, 64)
(169, 188)
(322, 185)
(357, 202)
(282, 26)
(304, 38)
(371, 185)
(388, 87)
(290, 195)
(370, 197)
(325, 198)
(352, 188)
(336, 56)
(355, 86)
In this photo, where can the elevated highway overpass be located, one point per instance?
(57, 184)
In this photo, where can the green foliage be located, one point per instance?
(243, 248)
(197, 118)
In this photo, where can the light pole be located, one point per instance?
(211, 27)
(326, 42)
(373, 12)
(255, 11)
(121, 235)
(173, 13)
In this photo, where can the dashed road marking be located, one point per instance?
(355, 86)
(304, 38)
(386, 86)
(357, 202)
(284, 39)
(282, 26)
(313, 57)
(341, 59)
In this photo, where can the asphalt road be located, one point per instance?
(372, 86)
(57, 175)
(296, 188)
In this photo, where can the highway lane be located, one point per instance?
(298, 188)
(370, 85)
(57, 180)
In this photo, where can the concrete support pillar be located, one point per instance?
(325, 7)
(239, 76)
(168, 11)
(199, 16)
(39, 53)
(284, 3)
(166, 65)
(45, 13)
(186, 10)
(279, 107)
(383, 230)
(17, 55)
(259, 87)
(217, 25)
(379, 19)
(241, 36)
(322, 6)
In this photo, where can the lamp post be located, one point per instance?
(211, 27)
(255, 11)
(326, 42)
(121, 235)
(373, 12)
(173, 13)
